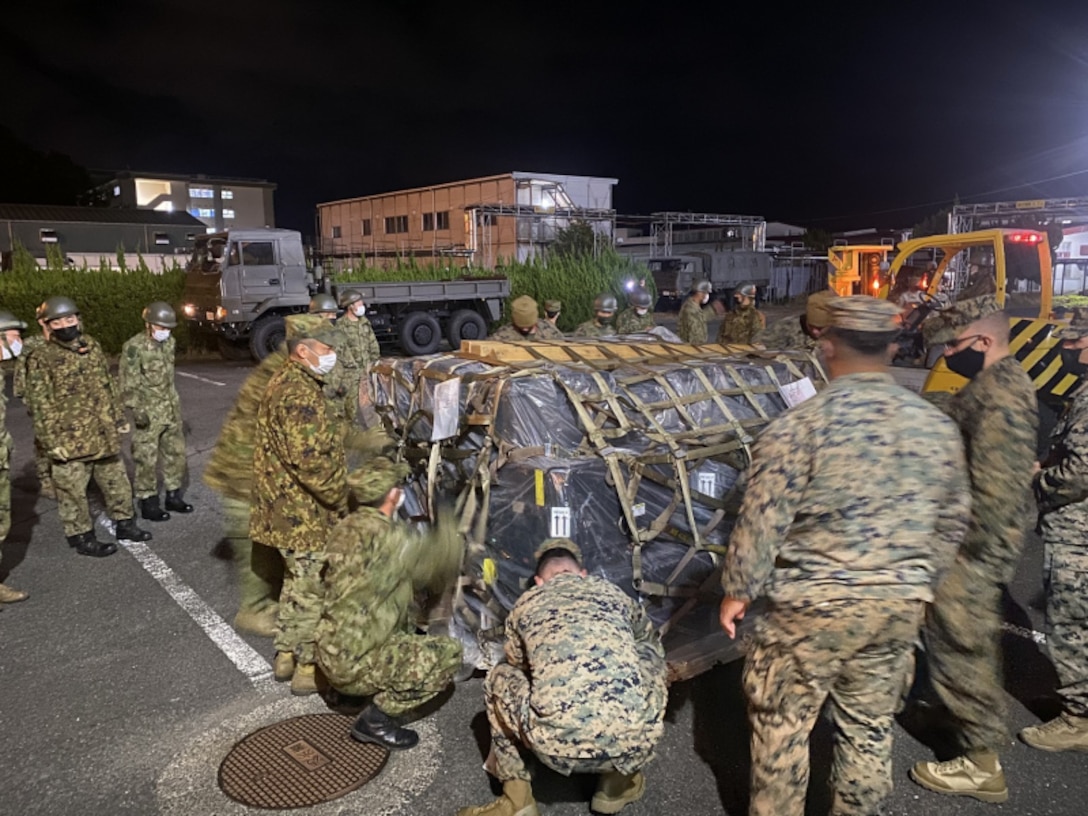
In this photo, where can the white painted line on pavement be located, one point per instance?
(196, 377)
(1020, 631)
(256, 669)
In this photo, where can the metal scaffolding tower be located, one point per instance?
(752, 229)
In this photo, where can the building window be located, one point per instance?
(366, 227)
(336, 231)
(47, 236)
(201, 212)
(201, 192)
(228, 195)
(228, 213)
(116, 190)
(428, 222)
(442, 220)
(396, 224)
(161, 238)
(190, 236)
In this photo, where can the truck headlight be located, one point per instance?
(220, 313)
(189, 309)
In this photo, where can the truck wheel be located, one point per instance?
(267, 336)
(232, 349)
(465, 324)
(420, 334)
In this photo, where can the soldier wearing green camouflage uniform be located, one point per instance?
(11, 346)
(146, 375)
(637, 317)
(335, 385)
(741, 326)
(694, 313)
(77, 416)
(552, 309)
(358, 351)
(524, 322)
(583, 686)
(856, 502)
(600, 325)
(1061, 491)
(18, 389)
(997, 415)
(800, 332)
(299, 488)
(366, 641)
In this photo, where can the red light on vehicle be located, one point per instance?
(1025, 237)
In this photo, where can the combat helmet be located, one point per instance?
(747, 290)
(322, 303)
(349, 296)
(639, 298)
(160, 313)
(56, 307)
(9, 321)
(605, 303)
(702, 286)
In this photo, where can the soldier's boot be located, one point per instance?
(304, 680)
(176, 504)
(616, 790)
(516, 800)
(11, 595)
(151, 511)
(87, 544)
(283, 667)
(976, 774)
(259, 623)
(1064, 733)
(374, 725)
(127, 530)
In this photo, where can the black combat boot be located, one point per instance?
(374, 725)
(127, 530)
(176, 503)
(150, 510)
(87, 544)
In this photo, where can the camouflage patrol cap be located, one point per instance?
(1077, 328)
(312, 327)
(373, 481)
(943, 325)
(864, 314)
(553, 306)
(523, 313)
(559, 544)
(817, 311)
(8, 321)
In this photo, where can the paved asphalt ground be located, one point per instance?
(122, 687)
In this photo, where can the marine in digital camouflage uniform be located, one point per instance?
(694, 313)
(12, 346)
(1061, 491)
(583, 686)
(998, 416)
(42, 463)
(800, 332)
(746, 322)
(299, 490)
(358, 351)
(366, 640)
(77, 416)
(857, 500)
(524, 322)
(146, 378)
(546, 330)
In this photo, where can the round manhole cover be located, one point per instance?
(299, 762)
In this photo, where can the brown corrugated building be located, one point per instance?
(478, 222)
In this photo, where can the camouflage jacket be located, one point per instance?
(860, 492)
(5, 435)
(998, 415)
(509, 334)
(146, 379)
(630, 322)
(1061, 487)
(784, 335)
(596, 668)
(299, 476)
(18, 386)
(691, 324)
(546, 331)
(230, 469)
(591, 329)
(741, 326)
(359, 349)
(73, 399)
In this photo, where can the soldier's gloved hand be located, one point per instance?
(142, 420)
(59, 453)
(123, 427)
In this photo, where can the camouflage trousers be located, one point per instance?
(1067, 622)
(301, 600)
(260, 568)
(71, 480)
(507, 698)
(43, 466)
(5, 504)
(962, 636)
(402, 674)
(857, 655)
(159, 442)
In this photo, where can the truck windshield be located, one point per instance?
(1023, 274)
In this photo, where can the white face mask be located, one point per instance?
(11, 351)
(325, 362)
(160, 335)
(641, 312)
(360, 309)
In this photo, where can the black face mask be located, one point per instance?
(67, 334)
(1071, 362)
(967, 363)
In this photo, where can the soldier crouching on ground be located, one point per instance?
(146, 376)
(366, 642)
(11, 344)
(78, 418)
(583, 687)
(857, 500)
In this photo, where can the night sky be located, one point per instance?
(825, 116)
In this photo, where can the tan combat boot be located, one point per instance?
(1064, 733)
(257, 623)
(516, 800)
(9, 595)
(283, 667)
(977, 774)
(615, 791)
(304, 681)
